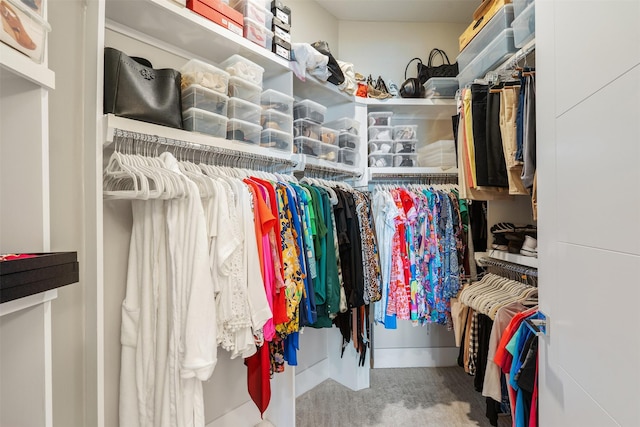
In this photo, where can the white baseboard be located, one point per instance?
(312, 377)
(245, 415)
(434, 357)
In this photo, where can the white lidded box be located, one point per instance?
(273, 100)
(441, 88)
(329, 152)
(257, 33)
(202, 121)
(244, 89)
(380, 118)
(405, 160)
(348, 140)
(405, 132)
(307, 146)
(330, 136)
(407, 146)
(239, 66)
(498, 50)
(244, 110)
(239, 130)
(524, 26)
(380, 160)
(440, 153)
(380, 132)
(278, 140)
(346, 124)
(307, 128)
(307, 109)
(196, 72)
(205, 99)
(273, 119)
(254, 10)
(23, 29)
(347, 156)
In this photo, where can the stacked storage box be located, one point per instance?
(346, 137)
(491, 46)
(24, 28)
(245, 90)
(281, 27)
(257, 21)
(441, 154)
(276, 119)
(308, 131)
(524, 22)
(204, 98)
(391, 145)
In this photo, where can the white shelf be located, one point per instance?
(414, 172)
(178, 27)
(324, 93)
(28, 301)
(22, 66)
(431, 109)
(514, 258)
(112, 123)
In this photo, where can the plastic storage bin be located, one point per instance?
(206, 75)
(274, 100)
(308, 146)
(196, 96)
(272, 119)
(33, 31)
(329, 152)
(405, 160)
(441, 87)
(500, 22)
(403, 132)
(257, 33)
(440, 153)
(519, 6)
(330, 136)
(380, 160)
(380, 132)
(307, 109)
(240, 66)
(307, 128)
(497, 51)
(239, 130)
(203, 121)
(524, 26)
(408, 146)
(345, 124)
(381, 147)
(381, 118)
(253, 10)
(347, 156)
(244, 110)
(243, 89)
(276, 139)
(348, 140)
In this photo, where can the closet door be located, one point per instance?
(589, 237)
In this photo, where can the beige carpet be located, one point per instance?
(435, 397)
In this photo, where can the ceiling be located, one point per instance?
(459, 11)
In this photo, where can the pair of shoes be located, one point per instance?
(500, 242)
(529, 247)
(393, 89)
(503, 227)
(516, 240)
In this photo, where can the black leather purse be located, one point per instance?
(447, 69)
(134, 89)
(412, 86)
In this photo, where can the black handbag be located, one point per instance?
(412, 86)
(447, 69)
(134, 89)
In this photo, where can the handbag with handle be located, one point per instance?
(447, 69)
(134, 89)
(412, 86)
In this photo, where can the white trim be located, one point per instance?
(312, 377)
(28, 301)
(434, 357)
(515, 258)
(48, 367)
(244, 415)
(23, 66)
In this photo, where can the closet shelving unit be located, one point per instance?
(25, 323)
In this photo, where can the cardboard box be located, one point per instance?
(282, 32)
(281, 48)
(481, 17)
(281, 12)
(44, 271)
(220, 13)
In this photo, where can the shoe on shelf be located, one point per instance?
(529, 247)
(500, 242)
(503, 227)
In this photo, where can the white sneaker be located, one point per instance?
(529, 247)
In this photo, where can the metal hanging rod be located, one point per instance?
(324, 171)
(521, 273)
(523, 53)
(428, 178)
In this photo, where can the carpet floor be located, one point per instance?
(434, 397)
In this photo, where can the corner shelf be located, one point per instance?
(324, 93)
(430, 109)
(514, 258)
(22, 66)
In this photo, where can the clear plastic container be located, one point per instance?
(32, 30)
(206, 75)
(345, 124)
(308, 146)
(272, 119)
(307, 128)
(380, 147)
(380, 132)
(348, 140)
(440, 153)
(257, 33)
(405, 132)
(243, 89)
(330, 136)
(380, 160)
(524, 26)
(196, 96)
(405, 160)
(498, 23)
(380, 118)
(239, 130)
(244, 110)
(202, 121)
(407, 146)
(253, 10)
(441, 87)
(282, 32)
(307, 109)
(274, 100)
(498, 50)
(347, 156)
(519, 6)
(240, 66)
(276, 139)
(329, 152)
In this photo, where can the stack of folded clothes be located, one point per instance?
(515, 239)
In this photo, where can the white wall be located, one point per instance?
(310, 23)
(589, 241)
(385, 48)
